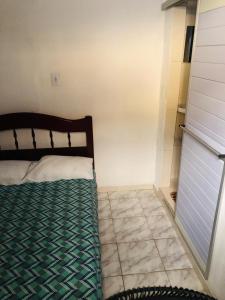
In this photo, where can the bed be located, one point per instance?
(49, 242)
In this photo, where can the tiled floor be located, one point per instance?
(140, 246)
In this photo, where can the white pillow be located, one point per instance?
(53, 167)
(13, 171)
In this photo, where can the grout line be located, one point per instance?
(120, 266)
(174, 226)
(159, 255)
(145, 240)
(110, 207)
(141, 273)
(112, 276)
(153, 272)
(103, 200)
(168, 278)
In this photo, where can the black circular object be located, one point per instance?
(160, 293)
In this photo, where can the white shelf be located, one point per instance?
(181, 110)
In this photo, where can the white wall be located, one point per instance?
(108, 54)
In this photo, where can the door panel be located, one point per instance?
(201, 170)
(206, 103)
(211, 89)
(211, 36)
(212, 18)
(199, 186)
(210, 71)
(210, 54)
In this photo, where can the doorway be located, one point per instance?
(179, 33)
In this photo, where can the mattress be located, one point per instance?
(49, 242)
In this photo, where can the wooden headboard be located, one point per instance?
(34, 121)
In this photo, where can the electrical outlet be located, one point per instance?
(55, 79)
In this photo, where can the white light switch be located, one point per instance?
(55, 79)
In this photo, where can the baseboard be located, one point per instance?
(125, 188)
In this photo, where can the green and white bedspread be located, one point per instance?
(49, 243)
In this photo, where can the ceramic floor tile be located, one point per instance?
(154, 211)
(148, 202)
(173, 254)
(122, 195)
(185, 279)
(110, 260)
(102, 196)
(112, 286)
(145, 280)
(146, 194)
(161, 227)
(106, 231)
(139, 257)
(104, 211)
(152, 207)
(122, 208)
(131, 229)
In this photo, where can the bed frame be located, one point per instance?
(34, 121)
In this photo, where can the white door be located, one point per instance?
(202, 166)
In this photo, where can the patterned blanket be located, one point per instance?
(49, 244)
